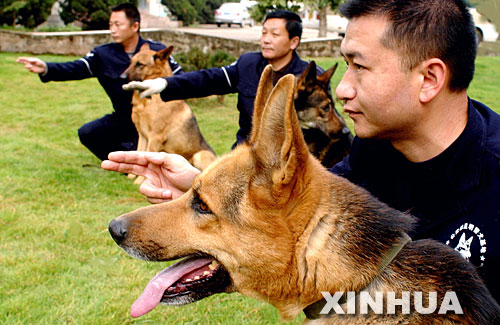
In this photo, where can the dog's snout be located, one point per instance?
(118, 230)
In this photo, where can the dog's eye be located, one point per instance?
(200, 206)
(139, 65)
(325, 108)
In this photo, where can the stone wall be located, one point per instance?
(80, 43)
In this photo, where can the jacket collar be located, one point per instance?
(461, 162)
(294, 67)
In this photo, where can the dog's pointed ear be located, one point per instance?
(263, 91)
(325, 77)
(145, 47)
(309, 75)
(278, 143)
(164, 54)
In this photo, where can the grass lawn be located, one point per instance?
(58, 263)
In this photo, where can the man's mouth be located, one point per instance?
(186, 281)
(351, 112)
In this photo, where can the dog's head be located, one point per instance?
(314, 103)
(261, 220)
(149, 64)
(231, 225)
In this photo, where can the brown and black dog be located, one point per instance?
(165, 126)
(325, 131)
(269, 221)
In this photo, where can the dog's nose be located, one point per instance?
(118, 230)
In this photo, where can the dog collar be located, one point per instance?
(313, 310)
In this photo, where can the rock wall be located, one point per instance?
(80, 43)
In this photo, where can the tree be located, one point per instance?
(259, 11)
(190, 11)
(322, 7)
(28, 13)
(93, 14)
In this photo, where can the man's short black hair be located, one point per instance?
(419, 30)
(293, 21)
(130, 11)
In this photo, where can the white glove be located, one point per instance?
(147, 87)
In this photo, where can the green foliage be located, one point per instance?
(259, 11)
(196, 59)
(91, 13)
(28, 13)
(66, 28)
(319, 4)
(220, 59)
(190, 11)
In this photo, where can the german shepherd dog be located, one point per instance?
(269, 221)
(165, 126)
(325, 131)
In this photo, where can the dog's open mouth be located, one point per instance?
(186, 281)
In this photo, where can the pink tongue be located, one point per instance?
(152, 294)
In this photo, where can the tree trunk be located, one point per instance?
(322, 22)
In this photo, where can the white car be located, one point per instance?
(485, 30)
(233, 13)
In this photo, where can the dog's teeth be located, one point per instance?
(188, 280)
(213, 265)
(206, 273)
(196, 277)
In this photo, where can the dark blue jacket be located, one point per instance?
(242, 77)
(105, 62)
(455, 196)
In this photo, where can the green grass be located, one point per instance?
(58, 263)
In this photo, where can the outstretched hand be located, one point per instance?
(147, 87)
(34, 65)
(168, 176)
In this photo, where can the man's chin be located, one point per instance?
(267, 54)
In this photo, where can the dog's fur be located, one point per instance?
(165, 126)
(285, 229)
(324, 129)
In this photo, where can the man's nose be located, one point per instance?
(345, 90)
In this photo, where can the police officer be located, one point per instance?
(106, 62)
(281, 33)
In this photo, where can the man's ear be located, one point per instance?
(294, 42)
(434, 76)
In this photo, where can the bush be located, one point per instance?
(28, 13)
(196, 59)
(92, 14)
(190, 11)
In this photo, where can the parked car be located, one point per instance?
(485, 30)
(233, 13)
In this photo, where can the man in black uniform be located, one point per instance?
(106, 62)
